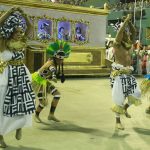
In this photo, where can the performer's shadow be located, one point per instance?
(118, 141)
(118, 134)
(144, 134)
(142, 131)
(67, 126)
(22, 148)
(148, 116)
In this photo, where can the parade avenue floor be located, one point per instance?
(87, 122)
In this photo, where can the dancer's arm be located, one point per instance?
(28, 22)
(49, 64)
(2, 20)
(119, 35)
(6, 15)
(46, 65)
(132, 31)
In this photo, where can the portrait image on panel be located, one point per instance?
(64, 31)
(44, 29)
(81, 32)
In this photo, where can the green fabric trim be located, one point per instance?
(38, 79)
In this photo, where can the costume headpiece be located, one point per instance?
(59, 49)
(14, 21)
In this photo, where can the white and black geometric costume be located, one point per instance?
(124, 85)
(19, 96)
(16, 94)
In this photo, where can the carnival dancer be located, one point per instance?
(123, 84)
(49, 73)
(145, 89)
(16, 94)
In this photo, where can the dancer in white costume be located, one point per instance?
(16, 94)
(123, 84)
(145, 89)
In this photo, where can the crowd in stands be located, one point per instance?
(129, 6)
(71, 2)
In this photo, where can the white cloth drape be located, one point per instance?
(8, 124)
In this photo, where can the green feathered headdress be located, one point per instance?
(59, 49)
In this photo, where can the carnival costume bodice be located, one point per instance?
(19, 99)
(49, 72)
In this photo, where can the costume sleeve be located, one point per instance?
(132, 31)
